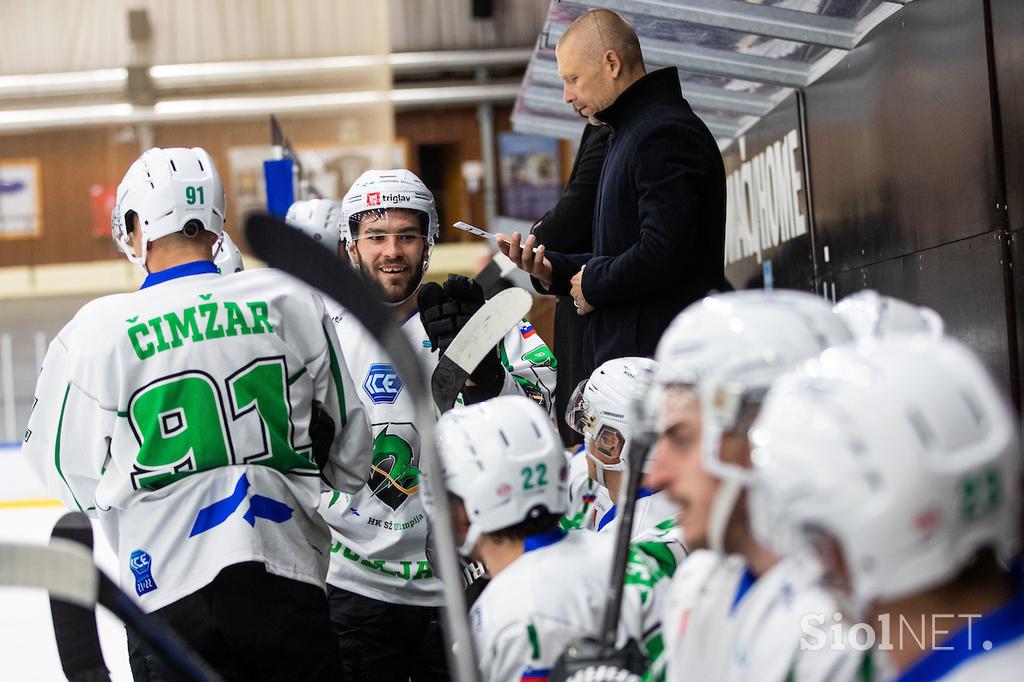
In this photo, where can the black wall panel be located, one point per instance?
(900, 138)
(962, 281)
(1016, 250)
(769, 225)
(1008, 53)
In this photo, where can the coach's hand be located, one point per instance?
(576, 291)
(522, 254)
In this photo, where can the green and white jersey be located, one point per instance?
(549, 597)
(654, 554)
(179, 415)
(555, 593)
(380, 531)
(722, 623)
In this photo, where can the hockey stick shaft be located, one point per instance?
(636, 450)
(290, 250)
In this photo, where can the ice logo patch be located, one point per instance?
(382, 383)
(142, 564)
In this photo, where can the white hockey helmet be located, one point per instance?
(170, 190)
(504, 459)
(729, 348)
(377, 191)
(226, 255)
(602, 407)
(318, 218)
(904, 452)
(870, 315)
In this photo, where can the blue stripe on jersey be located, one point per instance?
(1003, 626)
(747, 581)
(609, 515)
(196, 267)
(543, 539)
(536, 674)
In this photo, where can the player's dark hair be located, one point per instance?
(538, 521)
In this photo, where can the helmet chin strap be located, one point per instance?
(472, 535)
(721, 511)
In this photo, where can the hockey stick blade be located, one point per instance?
(482, 333)
(290, 250)
(66, 571)
(74, 627)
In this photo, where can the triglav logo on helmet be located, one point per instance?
(396, 198)
(373, 198)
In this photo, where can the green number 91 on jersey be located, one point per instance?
(182, 423)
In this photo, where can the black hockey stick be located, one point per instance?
(583, 660)
(288, 249)
(74, 627)
(484, 330)
(66, 571)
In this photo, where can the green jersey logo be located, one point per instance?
(394, 474)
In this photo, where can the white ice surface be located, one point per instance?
(27, 648)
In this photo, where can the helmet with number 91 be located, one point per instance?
(318, 218)
(602, 406)
(504, 459)
(169, 190)
(226, 255)
(903, 453)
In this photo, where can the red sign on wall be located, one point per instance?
(101, 202)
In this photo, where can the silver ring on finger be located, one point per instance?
(575, 303)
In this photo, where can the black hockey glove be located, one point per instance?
(321, 433)
(444, 311)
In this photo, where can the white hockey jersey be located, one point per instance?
(380, 532)
(179, 415)
(991, 648)
(549, 597)
(652, 508)
(722, 623)
(583, 492)
(555, 593)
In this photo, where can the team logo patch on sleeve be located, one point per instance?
(142, 564)
(382, 383)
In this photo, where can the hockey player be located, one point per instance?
(383, 593)
(734, 608)
(598, 411)
(900, 464)
(506, 477)
(195, 419)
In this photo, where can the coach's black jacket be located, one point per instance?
(659, 222)
(567, 228)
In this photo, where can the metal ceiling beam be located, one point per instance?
(225, 108)
(544, 72)
(783, 72)
(544, 125)
(745, 17)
